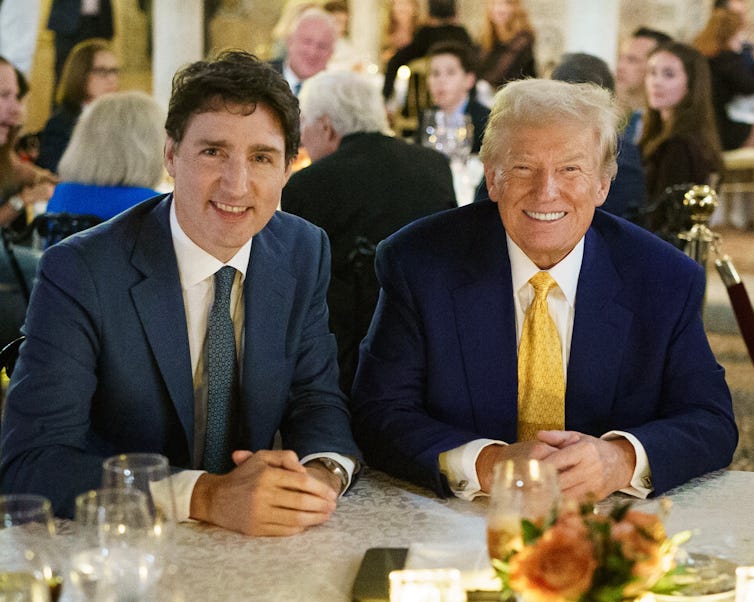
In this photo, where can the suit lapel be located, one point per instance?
(600, 330)
(485, 320)
(268, 298)
(158, 299)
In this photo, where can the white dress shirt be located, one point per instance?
(196, 269)
(459, 464)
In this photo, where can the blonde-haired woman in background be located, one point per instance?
(401, 24)
(507, 43)
(114, 159)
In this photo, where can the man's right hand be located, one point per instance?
(269, 493)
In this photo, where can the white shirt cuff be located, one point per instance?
(348, 464)
(641, 481)
(183, 486)
(459, 467)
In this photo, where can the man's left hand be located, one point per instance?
(588, 466)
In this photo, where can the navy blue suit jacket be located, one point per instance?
(105, 368)
(438, 367)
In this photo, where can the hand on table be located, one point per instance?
(268, 493)
(588, 466)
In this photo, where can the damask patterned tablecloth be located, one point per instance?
(321, 564)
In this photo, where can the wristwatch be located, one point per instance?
(334, 468)
(16, 202)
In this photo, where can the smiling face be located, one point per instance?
(547, 186)
(667, 82)
(229, 170)
(310, 46)
(448, 83)
(10, 108)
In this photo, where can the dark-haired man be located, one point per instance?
(629, 75)
(195, 326)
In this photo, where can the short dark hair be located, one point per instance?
(721, 4)
(463, 52)
(442, 9)
(655, 34)
(581, 68)
(233, 77)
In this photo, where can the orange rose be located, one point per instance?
(556, 568)
(641, 536)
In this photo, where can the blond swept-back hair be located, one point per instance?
(118, 141)
(545, 102)
(518, 23)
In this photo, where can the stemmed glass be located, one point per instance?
(521, 490)
(28, 554)
(116, 556)
(452, 135)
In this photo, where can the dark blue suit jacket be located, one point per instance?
(438, 367)
(106, 369)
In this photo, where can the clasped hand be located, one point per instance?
(588, 467)
(268, 493)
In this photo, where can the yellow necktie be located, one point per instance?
(541, 385)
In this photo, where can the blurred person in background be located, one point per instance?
(630, 73)
(309, 47)
(442, 26)
(74, 21)
(507, 43)
(363, 185)
(722, 42)
(114, 159)
(451, 79)
(19, 27)
(679, 142)
(400, 26)
(91, 70)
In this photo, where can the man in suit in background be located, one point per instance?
(632, 399)
(76, 20)
(309, 47)
(362, 186)
(119, 353)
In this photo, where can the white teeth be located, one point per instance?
(545, 217)
(230, 208)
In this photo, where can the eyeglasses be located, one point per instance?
(104, 71)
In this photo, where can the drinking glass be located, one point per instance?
(450, 134)
(28, 555)
(150, 474)
(116, 555)
(521, 490)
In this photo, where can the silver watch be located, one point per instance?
(334, 468)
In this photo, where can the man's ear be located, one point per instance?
(492, 177)
(169, 156)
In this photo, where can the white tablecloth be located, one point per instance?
(321, 564)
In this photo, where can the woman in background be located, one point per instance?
(722, 42)
(90, 71)
(114, 160)
(400, 27)
(507, 43)
(679, 143)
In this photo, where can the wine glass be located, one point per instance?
(150, 474)
(521, 490)
(116, 557)
(28, 555)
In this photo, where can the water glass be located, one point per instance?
(28, 554)
(117, 553)
(521, 490)
(150, 474)
(450, 134)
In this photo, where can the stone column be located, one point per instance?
(177, 39)
(366, 24)
(592, 27)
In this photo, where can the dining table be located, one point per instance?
(379, 511)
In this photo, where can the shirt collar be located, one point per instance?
(565, 273)
(194, 263)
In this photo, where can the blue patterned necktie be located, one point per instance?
(222, 371)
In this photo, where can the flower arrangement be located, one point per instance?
(576, 555)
